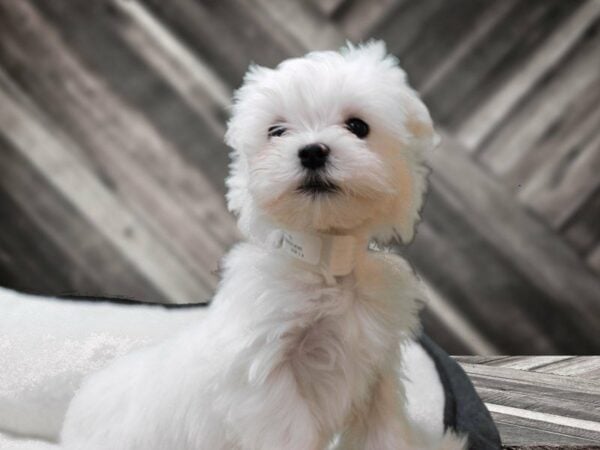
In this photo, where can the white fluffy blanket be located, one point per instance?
(47, 347)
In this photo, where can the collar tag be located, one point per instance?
(303, 246)
(335, 255)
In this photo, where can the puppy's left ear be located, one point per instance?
(419, 137)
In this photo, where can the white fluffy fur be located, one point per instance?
(283, 360)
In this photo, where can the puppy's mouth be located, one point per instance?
(318, 185)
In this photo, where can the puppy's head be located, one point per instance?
(331, 142)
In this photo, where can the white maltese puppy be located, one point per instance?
(301, 346)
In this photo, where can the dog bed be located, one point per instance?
(49, 345)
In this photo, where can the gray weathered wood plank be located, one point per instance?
(541, 402)
(578, 388)
(506, 153)
(90, 264)
(359, 17)
(577, 366)
(484, 119)
(110, 43)
(172, 197)
(582, 230)
(74, 181)
(524, 434)
(518, 236)
(527, 362)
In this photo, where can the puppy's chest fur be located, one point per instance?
(336, 356)
(338, 339)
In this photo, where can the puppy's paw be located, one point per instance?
(451, 441)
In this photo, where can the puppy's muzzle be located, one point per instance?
(314, 156)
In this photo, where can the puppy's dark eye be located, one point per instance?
(276, 130)
(357, 127)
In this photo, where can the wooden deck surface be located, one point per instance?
(112, 115)
(543, 402)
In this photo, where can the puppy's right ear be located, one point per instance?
(241, 135)
(243, 107)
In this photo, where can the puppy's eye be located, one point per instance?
(276, 130)
(357, 127)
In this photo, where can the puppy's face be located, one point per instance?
(331, 142)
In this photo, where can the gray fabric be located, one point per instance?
(463, 411)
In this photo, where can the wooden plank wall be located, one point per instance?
(112, 114)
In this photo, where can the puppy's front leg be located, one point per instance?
(273, 415)
(382, 423)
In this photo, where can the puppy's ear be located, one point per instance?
(240, 137)
(420, 138)
(242, 109)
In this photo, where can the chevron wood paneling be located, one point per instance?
(112, 160)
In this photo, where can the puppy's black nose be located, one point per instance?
(313, 156)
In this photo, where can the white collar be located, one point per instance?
(329, 254)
